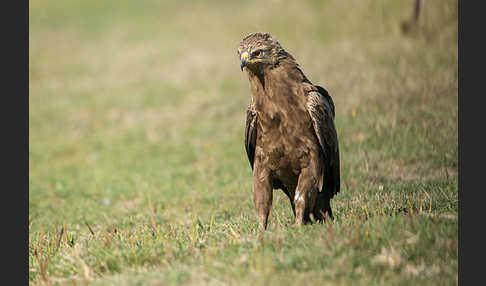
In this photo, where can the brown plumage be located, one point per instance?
(290, 137)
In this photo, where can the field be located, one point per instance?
(137, 169)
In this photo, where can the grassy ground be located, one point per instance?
(137, 168)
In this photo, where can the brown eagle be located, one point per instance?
(290, 137)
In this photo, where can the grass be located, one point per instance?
(137, 168)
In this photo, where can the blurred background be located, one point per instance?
(143, 101)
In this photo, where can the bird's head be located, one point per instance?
(259, 50)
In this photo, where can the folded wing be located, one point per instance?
(321, 109)
(251, 133)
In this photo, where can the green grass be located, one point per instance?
(137, 168)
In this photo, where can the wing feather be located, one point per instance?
(321, 109)
(250, 133)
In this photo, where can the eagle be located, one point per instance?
(290, 137)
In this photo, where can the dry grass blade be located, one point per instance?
(90, 230)
(43, 257)
(154, 225)
(59, 237)
(43, 261)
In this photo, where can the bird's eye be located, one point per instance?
(258, 54)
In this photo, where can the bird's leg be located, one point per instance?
(262, 195)
(322, 207)
(305, 196)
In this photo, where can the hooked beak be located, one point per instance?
(244, 60)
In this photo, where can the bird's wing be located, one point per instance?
(251, 133)
(321, 109)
